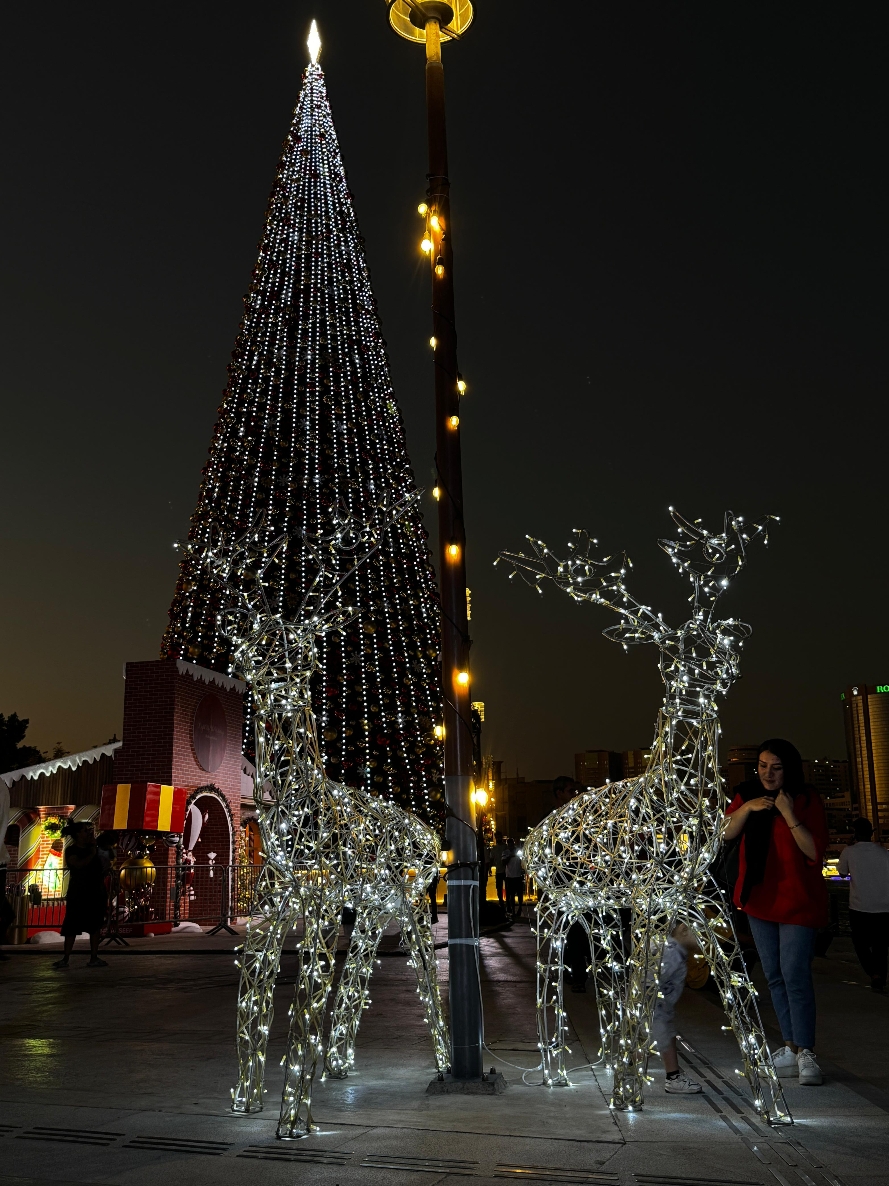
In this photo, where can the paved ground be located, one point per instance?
(122, 1075)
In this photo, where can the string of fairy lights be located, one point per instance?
(309, 426)
(630, 860)
(326, 846)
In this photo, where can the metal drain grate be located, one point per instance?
(70, 1136)
(422, 1165)
(179, 1145)
(662, 1180)
(546, 1173)
(295, 1156)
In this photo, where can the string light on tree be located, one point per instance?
(308, 426)
(645, 845)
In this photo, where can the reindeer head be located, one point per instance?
(698, 659)
(277, 655)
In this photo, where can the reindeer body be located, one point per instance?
(630, 860)
(326, 846)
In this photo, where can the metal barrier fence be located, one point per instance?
(142, 899)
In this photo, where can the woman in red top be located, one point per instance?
(781, 889)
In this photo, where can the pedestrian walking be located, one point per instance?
(781, 889)
(514, 880)
(868, 866)
(671, 982)
(576, 954)
(87, 899)
(497, 855)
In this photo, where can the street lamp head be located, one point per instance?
(408, 18)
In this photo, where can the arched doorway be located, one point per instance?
(208, 850)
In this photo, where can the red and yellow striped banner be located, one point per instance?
(142, 806)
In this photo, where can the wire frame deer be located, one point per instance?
(326, 846)
(631, 859)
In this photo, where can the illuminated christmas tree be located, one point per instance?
(309, 426)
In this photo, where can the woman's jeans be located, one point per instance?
(785, 951)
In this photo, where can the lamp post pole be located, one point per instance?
(424, 20)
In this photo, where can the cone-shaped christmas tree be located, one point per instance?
(309, 427)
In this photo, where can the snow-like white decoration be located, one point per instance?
(210, 677)
(69, 762)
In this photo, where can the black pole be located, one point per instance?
(465, 990)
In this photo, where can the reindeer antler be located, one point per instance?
(711, 561)
(578, 576)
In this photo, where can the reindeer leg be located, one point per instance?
(720, 947)
(416, 934)
(260, 960)
(635, 1011)
(552, 927)
(321, 921)
(352, 994)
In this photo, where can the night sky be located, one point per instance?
(670, 271)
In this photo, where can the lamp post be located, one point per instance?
(429, 22)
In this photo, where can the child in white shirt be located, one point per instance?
(671, 981)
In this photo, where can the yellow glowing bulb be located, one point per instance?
(439, 268)
(462, 678)
(454, 421)
(480, 797)
(436, 492)
(453, 551)
(461, 386)
(433, 342)
(426, 244)
(422, 209)
(435, 222)
(439, 731)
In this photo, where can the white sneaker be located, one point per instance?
(682, 1085)
(786, 1063)
(809, 1071)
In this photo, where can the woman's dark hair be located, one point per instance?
(794, 779)
(862, 829)
(74, 826)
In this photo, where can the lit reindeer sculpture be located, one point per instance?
(630, 860)
(326, 846)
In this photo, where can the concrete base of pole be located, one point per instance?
(447, 1085)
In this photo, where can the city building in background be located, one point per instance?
(595, 767)
(866, 715)
(740, 767)
(634, 762)
(832, 779)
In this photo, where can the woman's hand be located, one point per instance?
(736, 821)
(784, 803)
(763, 803)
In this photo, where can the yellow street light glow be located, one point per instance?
(439, 732)
(461, 385)
(439, 268)
(480, 797)
(462, 678)
(436, 492)
(435, 222)
(426, 244)
(422, 209)
(314, 43)
(454, 421)
(453, 551)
